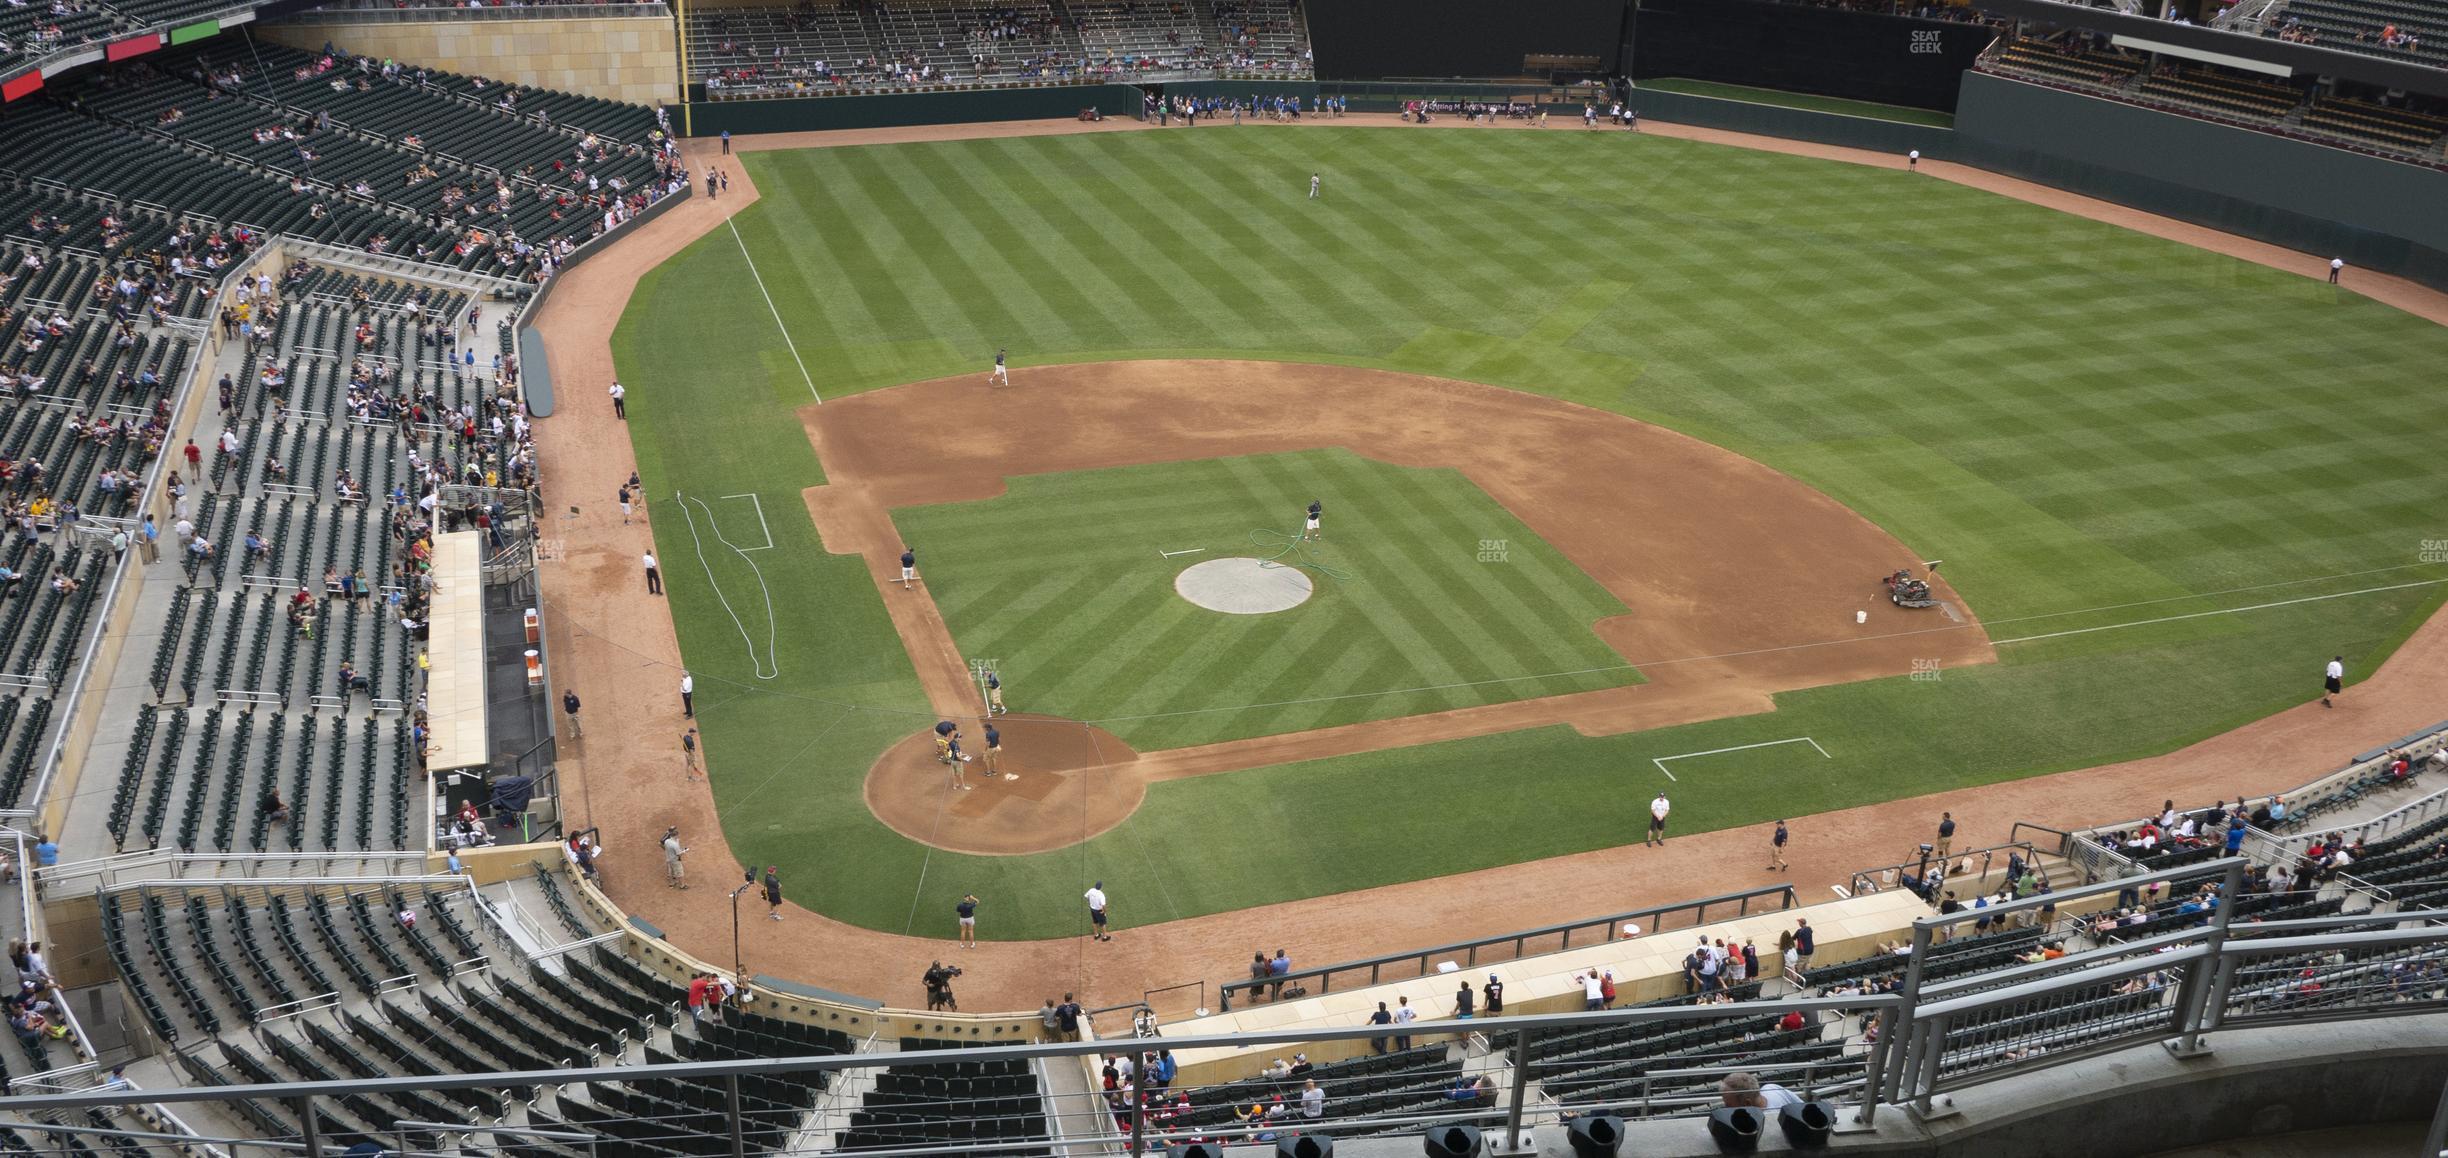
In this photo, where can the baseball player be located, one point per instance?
(1001, 375)
(1313, 186)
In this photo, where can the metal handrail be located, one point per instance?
(1653, 918)
(299, 1007)
(1866, 880)
(388, 15)
(2057, 1007)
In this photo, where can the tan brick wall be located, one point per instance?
(632, 58)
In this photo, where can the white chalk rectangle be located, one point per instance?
(1660, 761)
(762, 525)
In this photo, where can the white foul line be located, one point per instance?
(777, 314)
(1191, 551)
(1660, 761)
(2221, 611)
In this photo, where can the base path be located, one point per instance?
(614, 644)
(1741, 582)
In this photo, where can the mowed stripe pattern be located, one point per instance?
(1063, 584)
(1990, 380)
(2073, 416)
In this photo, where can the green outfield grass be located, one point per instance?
(1801, 100)
(1063, 583)
(2095, 429)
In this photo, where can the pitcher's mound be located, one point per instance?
(1074, 781)
(1243, 586)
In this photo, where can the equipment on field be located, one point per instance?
(1907, 591)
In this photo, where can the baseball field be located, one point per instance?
(1614, 433)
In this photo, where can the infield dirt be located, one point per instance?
(1741, 581)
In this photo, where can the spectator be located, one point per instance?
(1743, 1088)
(1383, 1016)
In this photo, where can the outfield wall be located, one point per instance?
(1793, 124)
(1365, 39)
(1893, 60)
(891, 110)
(2376, 213)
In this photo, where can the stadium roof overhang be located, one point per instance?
(2201, 42)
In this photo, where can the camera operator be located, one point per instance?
(938, 982)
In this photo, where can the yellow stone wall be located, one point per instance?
(628, 58)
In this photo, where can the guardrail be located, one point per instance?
(388, 15)
(1917, 875)
(1524, 943)
(168, 866)
(1936, 1038)
(2358, 778)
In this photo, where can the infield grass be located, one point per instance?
(1432, 597)
(2095, 429)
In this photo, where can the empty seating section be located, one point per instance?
(985, 1107)
(2363, 25)
(2076, 66)
(2221, 95)
(2377, 125)
(296, 982)
(2200, 90)
(819, 46)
